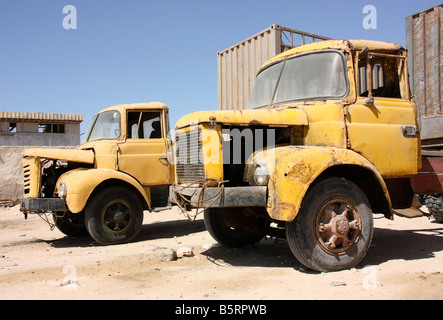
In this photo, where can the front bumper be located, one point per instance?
(220, 197)
(39, 205)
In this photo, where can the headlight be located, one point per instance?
(62, 190)
(261, 175)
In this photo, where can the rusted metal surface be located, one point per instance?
(225, 197)
(242, 117)
(238, 65)
(337, 232)
(190, 167)
(430, 178)
(424, 32)
(35, 205)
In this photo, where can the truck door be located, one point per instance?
(382, 123)
(144, 153)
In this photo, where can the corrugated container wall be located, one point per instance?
(424, 32)
(238, 65)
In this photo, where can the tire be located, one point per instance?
(435, 205)
(71, 224)
(334, 227)
(114, 215)
(220, 223)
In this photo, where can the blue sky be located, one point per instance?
(126, 51)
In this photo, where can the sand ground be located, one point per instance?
(405, 262)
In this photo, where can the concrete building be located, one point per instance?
(39, 129)
(22, 130)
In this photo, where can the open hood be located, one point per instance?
(70, 155)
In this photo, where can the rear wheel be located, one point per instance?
(334, 227)
(235, 227)
(71, 224)
(114, 215)
(435, 206)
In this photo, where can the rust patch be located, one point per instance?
(301, 171)
(284, 211)
(335, 160)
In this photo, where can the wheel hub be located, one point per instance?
(341, 226)
(119, 216)
(116, 216)
(337, 232)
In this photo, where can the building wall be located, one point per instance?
(23, 130)
(11, 171)
(27, 134)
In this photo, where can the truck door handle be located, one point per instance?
(409, 131)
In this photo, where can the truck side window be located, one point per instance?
(144, 125)
(384, 78)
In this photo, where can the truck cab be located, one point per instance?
(330, 137)
(103, 186)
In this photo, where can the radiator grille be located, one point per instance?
(190, 167)
(27, 178)
(31, 177)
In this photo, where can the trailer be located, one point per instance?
(424, 32)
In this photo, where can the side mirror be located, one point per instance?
(369, 101)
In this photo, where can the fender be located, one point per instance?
(293, 169)
(80, 184)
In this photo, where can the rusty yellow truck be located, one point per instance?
(331, 136)
(103, 187)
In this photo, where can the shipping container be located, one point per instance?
(424, 32)
(238, 65)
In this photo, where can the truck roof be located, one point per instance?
(375, 46)
(136, 106)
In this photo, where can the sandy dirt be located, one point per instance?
(405, 262)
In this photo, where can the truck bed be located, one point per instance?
(429, 179)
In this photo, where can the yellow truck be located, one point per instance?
(103, 187)
(331, 136)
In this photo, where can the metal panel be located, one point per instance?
(190, 167)
(35, 205)
(238, 65)
(425, 46)
(225, 197)
(430, 178)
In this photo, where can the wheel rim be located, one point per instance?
(116, 216)
(338, 226)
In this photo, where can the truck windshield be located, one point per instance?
(317, 75)
(105, 125)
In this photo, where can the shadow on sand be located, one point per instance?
(386, 245)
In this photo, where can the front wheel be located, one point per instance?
(114, 215)
(334, 227)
